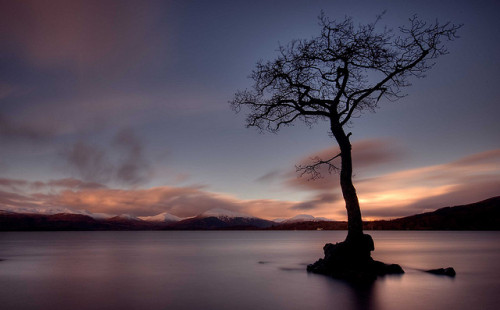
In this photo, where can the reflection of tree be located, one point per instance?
(364, 296)
(351, 296)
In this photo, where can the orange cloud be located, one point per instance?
(181, 201)
(400, 193)
(411, 191)
(388, 195)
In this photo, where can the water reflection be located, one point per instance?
(238, 270)
(364, 296)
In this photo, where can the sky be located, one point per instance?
(121, 107)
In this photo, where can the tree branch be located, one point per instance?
(312, 169)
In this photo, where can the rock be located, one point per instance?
(351, 260)
(383, 269)
(450, 272)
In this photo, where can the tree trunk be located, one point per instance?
(354, 222)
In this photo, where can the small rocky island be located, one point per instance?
(351, 260)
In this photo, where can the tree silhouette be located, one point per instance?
(335, 76)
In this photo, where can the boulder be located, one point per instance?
(449, 271)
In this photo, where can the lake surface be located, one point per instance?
(239, 270)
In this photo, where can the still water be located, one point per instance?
(239, 270)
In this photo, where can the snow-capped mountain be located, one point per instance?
(125, 217)
(41, 210)
(222, 219)
(223, 213)
(279, 220)
(58, 210)
(162, 217)
(97, 216)
(301, 218)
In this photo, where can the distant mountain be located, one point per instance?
(211, 219)
(162, 218)
(311, 225)
(124, 217)
(55, 210)
(302, 218)
(60, 221)
(67, 221)
(224, 214)
(222, 219)
(483, 215)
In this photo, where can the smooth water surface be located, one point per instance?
(239, 270)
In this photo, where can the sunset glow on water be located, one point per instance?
(239, 270)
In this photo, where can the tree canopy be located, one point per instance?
(335, 76)
(344, 70)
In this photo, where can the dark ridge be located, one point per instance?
(212, 222)
(319, 225)
(483, 215)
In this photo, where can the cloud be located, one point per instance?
(382, 205)
(72, 195)
(318, 201)
(133, 168)
(9, 128)
(89, 161)
(9, 200)
(17, 185)
(366, 155)
(12, 184)
(479, 159)
(122, 161)
(78, 32)
(181, 201)
(472, 189)
(411, 191)
(181, 177)
(77, 63)
(387, 195)
(403, 192)
(71, 183)
(270, 176)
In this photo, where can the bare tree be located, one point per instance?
(335, 76)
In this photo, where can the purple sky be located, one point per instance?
(122, 107)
